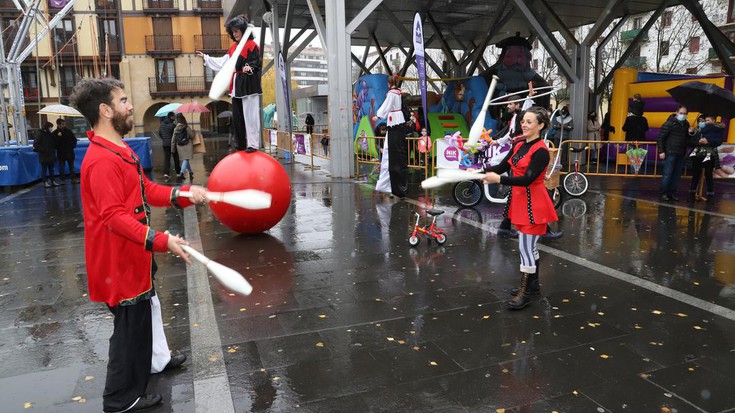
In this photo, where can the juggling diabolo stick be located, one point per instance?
(479, 123)
(245, 198)
(221, 82)
(230, 278)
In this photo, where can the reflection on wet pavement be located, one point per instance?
(636, 311)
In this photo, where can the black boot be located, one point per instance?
(522, 299)
(534, 288)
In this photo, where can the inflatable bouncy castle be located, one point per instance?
(659, 104)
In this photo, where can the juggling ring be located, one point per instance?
(498, 101)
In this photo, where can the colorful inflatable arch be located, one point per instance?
(658, 103)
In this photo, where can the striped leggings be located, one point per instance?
(529, 252)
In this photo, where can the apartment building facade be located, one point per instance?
(149, 44)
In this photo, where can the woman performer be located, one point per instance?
(245, 87)
(395, 142)
(531, 208)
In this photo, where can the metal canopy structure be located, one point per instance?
(468, 26)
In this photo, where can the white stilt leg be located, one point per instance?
(161, 353)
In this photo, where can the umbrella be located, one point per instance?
(225, 114)
(192, 107)
(636, 156)
(705, 98)
(306, 113)
(166, 109)
(60, 110)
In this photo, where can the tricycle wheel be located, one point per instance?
(413, 240)
(441, 239)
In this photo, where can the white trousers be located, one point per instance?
(161, 353)
(383, 184)
(251, 113)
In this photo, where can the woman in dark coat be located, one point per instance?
(45, 145)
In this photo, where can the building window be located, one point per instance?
(535, 44)
(692, 71)
(668, 16)
(165, 71)
(664, 48)
(549, 62)
(63, 34)
(694, 44)
(535, 64)
(638, 22)
(731, 11)
(694, 18)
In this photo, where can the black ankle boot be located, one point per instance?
(534, 288)
(522, 299)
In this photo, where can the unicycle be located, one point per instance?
(575, 183)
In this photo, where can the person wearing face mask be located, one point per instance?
(562, 125)
(705, 156)
(673, 138)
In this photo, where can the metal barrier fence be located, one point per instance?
(283, 145)
(608, 158)
(369, 152)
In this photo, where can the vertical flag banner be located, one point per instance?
(418, 51)
(284, 85)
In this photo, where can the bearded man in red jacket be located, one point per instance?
(119, 242)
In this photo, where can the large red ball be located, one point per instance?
(255, 170)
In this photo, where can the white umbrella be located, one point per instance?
(166, 109)
(60, 110)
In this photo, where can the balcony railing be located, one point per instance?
(178, 86)
(212, 43)
(105, 5)
(30, 94)
(207, 6)
(7, 7)
(629, 35)
(114, 42)
(65, 87)
(163, 45)
(161, 6)
(65, 48)
(635, 61)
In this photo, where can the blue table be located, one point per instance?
(19, 164)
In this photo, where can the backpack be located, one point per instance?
(182, 137)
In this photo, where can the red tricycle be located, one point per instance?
(432, 231)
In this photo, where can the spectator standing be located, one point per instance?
(166, 132)
(66, 142)
(635, 128)
(593, 134)
(562, 125)
(45, 145)
(309, 121)
(673, 138)
(705, 156)
(183, 145)
(637, 105)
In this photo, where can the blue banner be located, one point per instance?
(418, 51)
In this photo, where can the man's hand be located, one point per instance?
(247, 69)
(703, 141)
(199, 54)
(199, 194)
(174, 246)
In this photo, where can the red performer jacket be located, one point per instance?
(245, 84)
(118, 241)
(530, 205)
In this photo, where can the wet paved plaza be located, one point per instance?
(637, 311)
